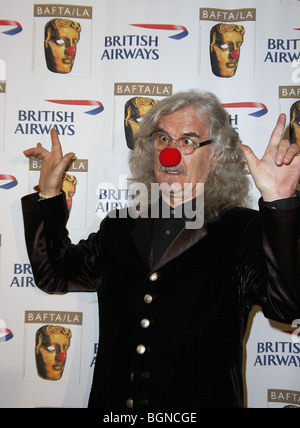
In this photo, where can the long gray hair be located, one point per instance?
(227, 184)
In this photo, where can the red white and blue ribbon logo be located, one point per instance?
(261, 109)
(5, 335)
(93, 112)
(17, 28)
(12, 181)
(183, 32)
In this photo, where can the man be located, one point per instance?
(174, 302)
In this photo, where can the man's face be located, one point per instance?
(51, 356)
(225, 55)
(60, 49)
(193, 168)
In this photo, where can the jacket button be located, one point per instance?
(140, 349)
(129, 403)
(145, 375)
(148, 299)
(154, 277)
(145, 323)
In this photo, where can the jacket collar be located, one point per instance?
(183, 241)
(142, 237)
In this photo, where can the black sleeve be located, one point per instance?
(269, 261)
(58, 266)
(281, 244)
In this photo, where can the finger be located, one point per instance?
(37, 152)
(28, 152)
(251, 159)
(277, 132)
(56, 146)
(66, 160)
(291, 153)
(282, 152)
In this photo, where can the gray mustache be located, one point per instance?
(178, 169)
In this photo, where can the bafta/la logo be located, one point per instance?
(5, 334)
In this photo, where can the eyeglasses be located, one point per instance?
(186, 145)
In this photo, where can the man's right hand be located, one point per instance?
(53, 166)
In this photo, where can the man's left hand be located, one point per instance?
(277, 174)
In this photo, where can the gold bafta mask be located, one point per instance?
(69, 187)
(52, 344)
(225, 48)
(295, 123)
(60, 43)
(135, 110)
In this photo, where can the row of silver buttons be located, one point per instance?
(145, 323)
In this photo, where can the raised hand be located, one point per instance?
(53, 166)
(277, 174)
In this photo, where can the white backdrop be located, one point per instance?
(127, 48)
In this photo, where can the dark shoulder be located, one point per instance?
(117, 219)
(237, 220)
(239, 214)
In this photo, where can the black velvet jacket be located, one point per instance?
(171, 334)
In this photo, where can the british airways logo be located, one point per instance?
(140, 46)
(240, 109)
(183, 32)
(8, 181)
(260, 109)
(17, 27)
(41, 121)
(283, 50)
(99, 106)
(5, 334)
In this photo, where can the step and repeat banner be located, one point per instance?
(92, 69)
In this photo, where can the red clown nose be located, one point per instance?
(71, 50)
(170, 157)
(235, 54)
(61, 356)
